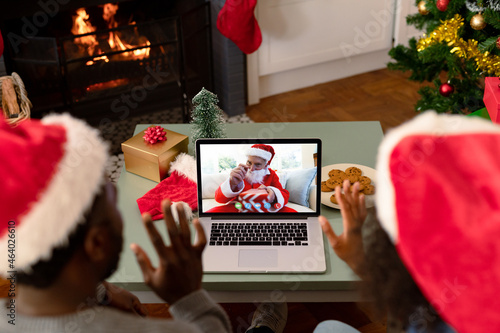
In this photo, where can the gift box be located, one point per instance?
(152, 160)
(491, 98)
(254, 201)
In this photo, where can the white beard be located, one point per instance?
(256, 177)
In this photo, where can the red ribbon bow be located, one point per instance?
(155, 134)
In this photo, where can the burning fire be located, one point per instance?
(82, 25)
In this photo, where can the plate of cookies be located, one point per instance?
(335, 174)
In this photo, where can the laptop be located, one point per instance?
(268, 222)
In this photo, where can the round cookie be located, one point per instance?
(353, 171)
(335, 173)
(361, 187)
(364, 180)
(353, 178)
(343, 176)
(369, 189)
(333, 182)
(333, 199)
(325, 188)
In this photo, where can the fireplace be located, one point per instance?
(111, 60)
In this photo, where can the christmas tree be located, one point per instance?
(460, 47)
(208, 121)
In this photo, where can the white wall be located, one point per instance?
(403, 32)
(306, 42)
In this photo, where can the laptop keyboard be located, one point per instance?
(275, 234)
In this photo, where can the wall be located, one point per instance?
(306, 42)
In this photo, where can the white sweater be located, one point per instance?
(196, 312)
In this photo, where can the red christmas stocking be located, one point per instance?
(237, 22)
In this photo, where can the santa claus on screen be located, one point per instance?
(255, 174)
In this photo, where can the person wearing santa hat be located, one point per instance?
(255, 174)
(61, 237)
(430, 256)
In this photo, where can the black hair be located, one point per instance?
(45, 272)
(390, 284)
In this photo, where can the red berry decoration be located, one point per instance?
(442, 5)
(446, 89)
(155, 134)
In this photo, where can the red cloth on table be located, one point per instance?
(176, 187)
(179, 187)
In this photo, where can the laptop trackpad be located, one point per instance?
(258, 258)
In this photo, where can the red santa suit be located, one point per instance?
(224, 194)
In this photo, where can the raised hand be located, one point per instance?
(349, 245)
(237, 175)
(179, 271)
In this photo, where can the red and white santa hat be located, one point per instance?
(438, 198)
(51, 171)
(263, 151)
(180, 187)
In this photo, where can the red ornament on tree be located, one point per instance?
(442, 5)
(155, 134)
(498, 43)
(446, 89)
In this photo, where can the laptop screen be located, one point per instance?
(251, 177)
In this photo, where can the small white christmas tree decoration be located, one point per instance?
(208, 122)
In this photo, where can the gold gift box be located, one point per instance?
(152, 161)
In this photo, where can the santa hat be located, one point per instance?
(179, 187)
(263, 151)
(51, 171)
(438, 198)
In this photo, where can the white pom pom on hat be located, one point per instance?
(263, 151)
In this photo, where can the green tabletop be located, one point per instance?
(343, 142)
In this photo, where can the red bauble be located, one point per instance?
(442, 5)
(498, 43)
(446, 89)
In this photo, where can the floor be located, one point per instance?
(381, 95)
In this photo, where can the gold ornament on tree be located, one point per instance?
(477, 22)
(447, 33)
(422, 9)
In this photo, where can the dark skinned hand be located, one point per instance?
(179, 271)
(349, 245)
